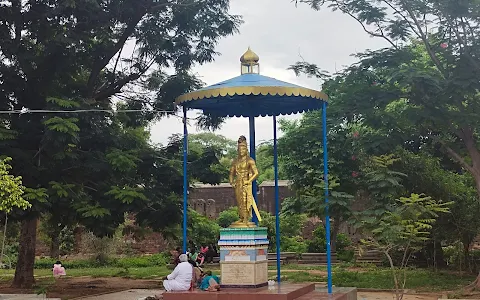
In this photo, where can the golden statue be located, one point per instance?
(242, 173)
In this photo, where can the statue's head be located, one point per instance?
(242, 147)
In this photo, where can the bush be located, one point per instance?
(227, 217)
(293, 244)
(202, 230)
(155, 260)
(318, 243)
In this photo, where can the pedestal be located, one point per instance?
(243, 257)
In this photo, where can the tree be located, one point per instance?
(223, 146)
(302, 160)
(11, 189)
(59, 56)
(406, 227)
(264, 159)
(427, 80)
(11, 195)
(426, 174)
(210, 143)
(437, 73)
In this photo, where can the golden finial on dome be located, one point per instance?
(249, 62)
(249, 57)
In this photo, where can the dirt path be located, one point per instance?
(68, 288)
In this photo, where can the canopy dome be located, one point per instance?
(252, 95)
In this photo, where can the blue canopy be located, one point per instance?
(252, 95)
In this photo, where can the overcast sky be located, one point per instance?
(280, 34)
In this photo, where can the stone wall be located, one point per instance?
(211, 200)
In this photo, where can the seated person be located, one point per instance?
(181, 277)
(200, 259)
(58, 270)
(196, 275)
(210, 282)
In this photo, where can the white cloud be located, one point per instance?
(281, 35)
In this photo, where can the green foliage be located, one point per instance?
(63, 125)
(318, 244)
(71, 58)
(227, 217)
(421, 93)
(404, 227)
(122, 160)
(293, 244)
(383, 184)
(126, 194)
(264, 160)
(407, 225)
(154, 260)
(290, 230)
(302, 160)
(11, 189)
(202, 230)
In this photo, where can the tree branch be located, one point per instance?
(403, 17)
(100, 64)
(116, 86)
(457, 157)
(380, 35)
(424, 38)
(17, 5)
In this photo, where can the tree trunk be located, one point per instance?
(55, 246)
(333, 235)
(26, 255)
(439, 258)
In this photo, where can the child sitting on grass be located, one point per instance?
(58, 270)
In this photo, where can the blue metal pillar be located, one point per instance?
(277, 198)
(251, 123)
(185, 179)
(327, 215)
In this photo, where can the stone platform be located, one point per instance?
(284, 291)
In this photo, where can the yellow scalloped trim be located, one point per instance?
(252, 90)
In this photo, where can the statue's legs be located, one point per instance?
(244, 208)
(241, 203)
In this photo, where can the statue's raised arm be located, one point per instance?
(242, 174)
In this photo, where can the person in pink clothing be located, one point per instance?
(58, 270)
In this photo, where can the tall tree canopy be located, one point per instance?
(425, 86)
(91, 166)
(429, 76)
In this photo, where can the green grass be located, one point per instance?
(417, 279)
(371, 277)
(136, 273)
